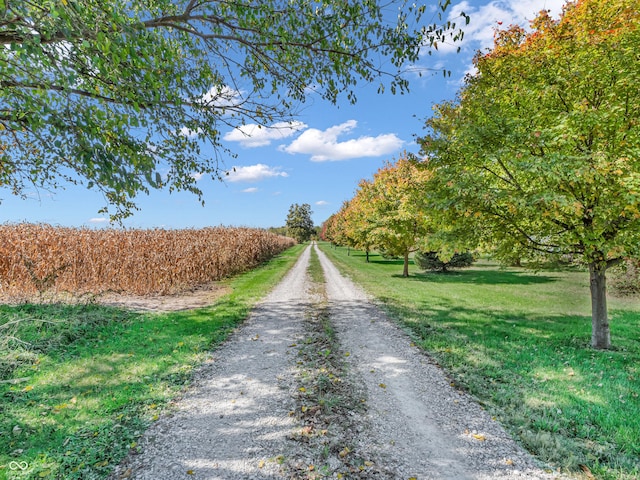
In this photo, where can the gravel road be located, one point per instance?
(239, 420)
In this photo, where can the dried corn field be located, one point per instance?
(39, 258)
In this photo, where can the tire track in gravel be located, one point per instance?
(234, 422)
(418, 426)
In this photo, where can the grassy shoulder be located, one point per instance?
(79, 384)
(519, 342)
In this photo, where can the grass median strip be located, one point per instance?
(519, 342)
(79, 384)
(327, 399)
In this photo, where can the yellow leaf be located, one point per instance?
(344, 452)
(304, 408)
(190, 472)
(368, 463)
(302, 389)
(382, 385)
(103, 463)
(181, 344)
(479, 437)
(508, 461)
(346, 354)
(261, 464)
(312, 468)
(44, 473)
(28, 388)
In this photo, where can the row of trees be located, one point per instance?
(389, 213)
(539, 155)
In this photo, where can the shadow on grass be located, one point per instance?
(478, 273)
(484, 277)
(567, 403)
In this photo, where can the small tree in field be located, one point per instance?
(299, 223)
(431, 261)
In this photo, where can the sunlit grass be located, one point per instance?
(519, 342)
(90, 379)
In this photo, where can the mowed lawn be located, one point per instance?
(518, 341)
(80, 384)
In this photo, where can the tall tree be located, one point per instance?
(122, 96)
(299, 223)
(542, 147)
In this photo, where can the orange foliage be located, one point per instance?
(37, 257)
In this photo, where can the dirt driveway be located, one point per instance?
(318, 383)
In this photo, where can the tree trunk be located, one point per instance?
(405, 271)
(367, 254)
(600, 335)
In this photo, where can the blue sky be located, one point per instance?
(318, 161)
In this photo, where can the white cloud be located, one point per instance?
(254, 173)
(187, 132)
(322, 203)
(250, 190)
(221, 97)
(98, 220)
(197, 176)
(478, 35)
(254, 135)
(324, 145)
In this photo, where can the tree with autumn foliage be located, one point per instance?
(394, 208)
(334, 229)
(542, 147)
(357, 221)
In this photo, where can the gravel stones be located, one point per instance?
(236, 420)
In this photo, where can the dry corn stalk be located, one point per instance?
(36, 257)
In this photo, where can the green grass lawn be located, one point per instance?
(519, 342)
(79, 384)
